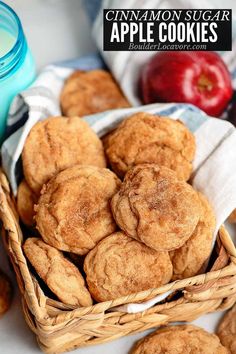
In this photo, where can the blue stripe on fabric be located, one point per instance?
(188, 114)
(92, 7)
(193, 119)
(11, 129)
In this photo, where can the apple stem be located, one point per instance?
(204, 84)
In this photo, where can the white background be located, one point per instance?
(58, 30)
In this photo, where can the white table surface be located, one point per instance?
(59, 30)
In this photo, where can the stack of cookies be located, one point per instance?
(112, 217)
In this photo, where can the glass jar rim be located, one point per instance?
(20, 30)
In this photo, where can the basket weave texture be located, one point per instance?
(60, 328)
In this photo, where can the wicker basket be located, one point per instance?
(61, 328)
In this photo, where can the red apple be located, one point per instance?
(200, 78)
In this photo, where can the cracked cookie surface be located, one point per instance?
(227, 330)
(73, 212)
(156, 208)
(25, 203)
(61, 276)
(145, 138)
(183, 339)
(119, 266)
(190, 259)
(57, 143)
(89, 92)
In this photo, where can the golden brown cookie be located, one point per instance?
(227, 330)
(119, 266)
(61, 276)
(25, 203)
(89, 92)
(232, 217)
(145, 138)
(5, 293)
(73, 212)
(186, 339)
(190, 259)
(156, 208)
(57, 143)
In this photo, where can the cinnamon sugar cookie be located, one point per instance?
(60, 275)
(180, 340)
(25, 203)
(120, 265)
(156, 208)
(89, 92)
(227, 330)
(73, 212)
(55, 144)
(145, 138)
(189, 259)
(232, 217)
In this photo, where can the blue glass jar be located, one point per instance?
(17, 68)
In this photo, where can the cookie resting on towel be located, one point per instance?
(146, 138)
(89, 92)
(55, 144)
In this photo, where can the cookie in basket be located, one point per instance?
(55, 144)
(232, 217)
(89, 92)
(145, 138)
(183, 339)
(61, 276)
(190, 259)
(25, 203)
(227, 330)
(119, 266)
(156, 208)
(6, 293)
(73, 212)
